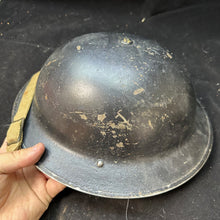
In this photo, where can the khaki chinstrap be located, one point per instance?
(15, 131)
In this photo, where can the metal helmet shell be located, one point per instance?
(118, 118)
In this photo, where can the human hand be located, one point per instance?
(25, 192)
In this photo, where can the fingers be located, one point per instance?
(12, 161)
(54, 187)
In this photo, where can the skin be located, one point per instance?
(25, 192)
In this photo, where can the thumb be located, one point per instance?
(12, 161)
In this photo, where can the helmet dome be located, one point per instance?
(115, 95)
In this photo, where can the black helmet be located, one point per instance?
(118, 118)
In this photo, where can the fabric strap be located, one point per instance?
(15, 131)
